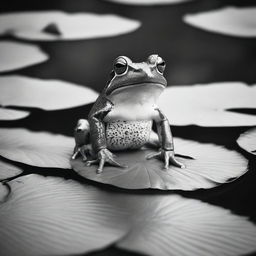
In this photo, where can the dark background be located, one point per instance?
(192, 56)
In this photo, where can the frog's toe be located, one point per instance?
(75, 154)
(89, 163)
(104, 156)
(110, 161)
(175, 162)
(153, 155)
(109, 158)
(168, 158)
(83, 153)
(113, 162)
(101, 165)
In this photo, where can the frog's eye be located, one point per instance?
(120, 66)
(160, 66)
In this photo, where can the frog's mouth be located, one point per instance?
(139, 86)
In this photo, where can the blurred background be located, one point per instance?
(192, 55)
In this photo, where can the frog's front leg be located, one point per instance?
(98, 140)
(166, 152)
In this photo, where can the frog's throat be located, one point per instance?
(135, 98)
(138, 85)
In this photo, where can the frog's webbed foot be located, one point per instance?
(84, 150)
(168, 157)
(104, 156)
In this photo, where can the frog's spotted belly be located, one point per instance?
(122, 135)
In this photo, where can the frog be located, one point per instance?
(124, 113)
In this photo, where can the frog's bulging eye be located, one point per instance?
(161, 66)
(120, 66)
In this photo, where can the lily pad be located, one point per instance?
(148, 2)
(53, 216)
(8, 170)
(247, 141)
(209, 105)
(207, 166)
(66, 217)
(15, 55)
(172, 225)
(232, 21)
(36, 148)
(22, 91)
(58, 25)
(10, 114)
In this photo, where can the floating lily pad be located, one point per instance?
(68, 218)
(46, 94)
(233, 21)
(148, 2)
(207, 166)
(58, 25)
(172, 225)
(10, 114)
(209, 105)
(8, 170)
(53, 216)
(36, 148)
(247, 141)
(15, 55)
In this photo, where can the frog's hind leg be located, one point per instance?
(82, 139)
(153, 141)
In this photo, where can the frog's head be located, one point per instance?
(142, 79)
